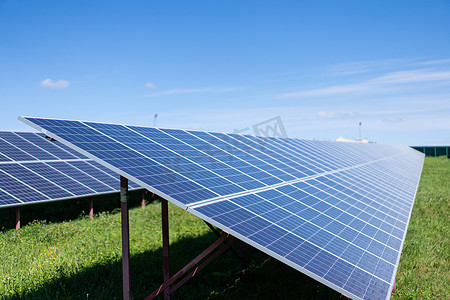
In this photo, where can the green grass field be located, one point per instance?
(81, 259)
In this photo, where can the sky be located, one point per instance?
(321, 66)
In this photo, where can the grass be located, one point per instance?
(69, 256)
(424, 270)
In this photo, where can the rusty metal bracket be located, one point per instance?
(199, 260)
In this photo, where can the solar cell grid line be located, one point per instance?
(348, 239)
(281, 169)
(275, 175)
(81, 176)
(14, 153)
(363, 190)
(320, 213)
(243, 179)
(232, 160)
(60, 178)
(401, 213)
(339, 152)
(293, 155)
(273, 247)
(358, 221)
(362, 180)
(362, 203)
(183, 165)
(295, 181)
(25, 146)
(360, 152)
(212, 162)
(319, 149)
(393, 202)
(7, 198)
(26, 181)
(318, 166)
(40, 141)
(279, 157)
(70, 150)
(63, 147)
(163, 179)
(94, 172)
(111, 174)
(19, 189)
(306, 220)
(170, 141)
(364, 183)
(405, 177)
(4, 158)
(30, 167)
(34, 180)
(306, 152)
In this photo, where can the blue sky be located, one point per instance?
(322, 66)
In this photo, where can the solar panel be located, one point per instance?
(35, 169)
(337, 212)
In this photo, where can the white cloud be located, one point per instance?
(195, 91)
(337, 115)
(49, 83)
(359, 67)
(411, 76)
(150, 85)
(387, 80)
(392, 120)
(435, 62)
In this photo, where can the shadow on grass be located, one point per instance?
(65, 210)
(262, 278)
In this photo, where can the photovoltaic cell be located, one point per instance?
(34, 169)
(337, 212)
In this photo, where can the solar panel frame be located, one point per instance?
(345, 166)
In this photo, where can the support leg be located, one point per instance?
(143, 198)
(91, 208)
(17, 217)
(125, 237)
(165, 236)
(218, 234)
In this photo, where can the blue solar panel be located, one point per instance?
(14, 153)
(35, 169)
(26, 146)
(337, 212)
(54, 148)
(60, 178)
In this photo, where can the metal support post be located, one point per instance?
(218, 234)
(196, 261)
(17, 217)
(143, 198)
(165, 237)
(125, 237)
(91, 208)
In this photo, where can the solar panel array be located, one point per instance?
(337, 212)
(34, 169)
